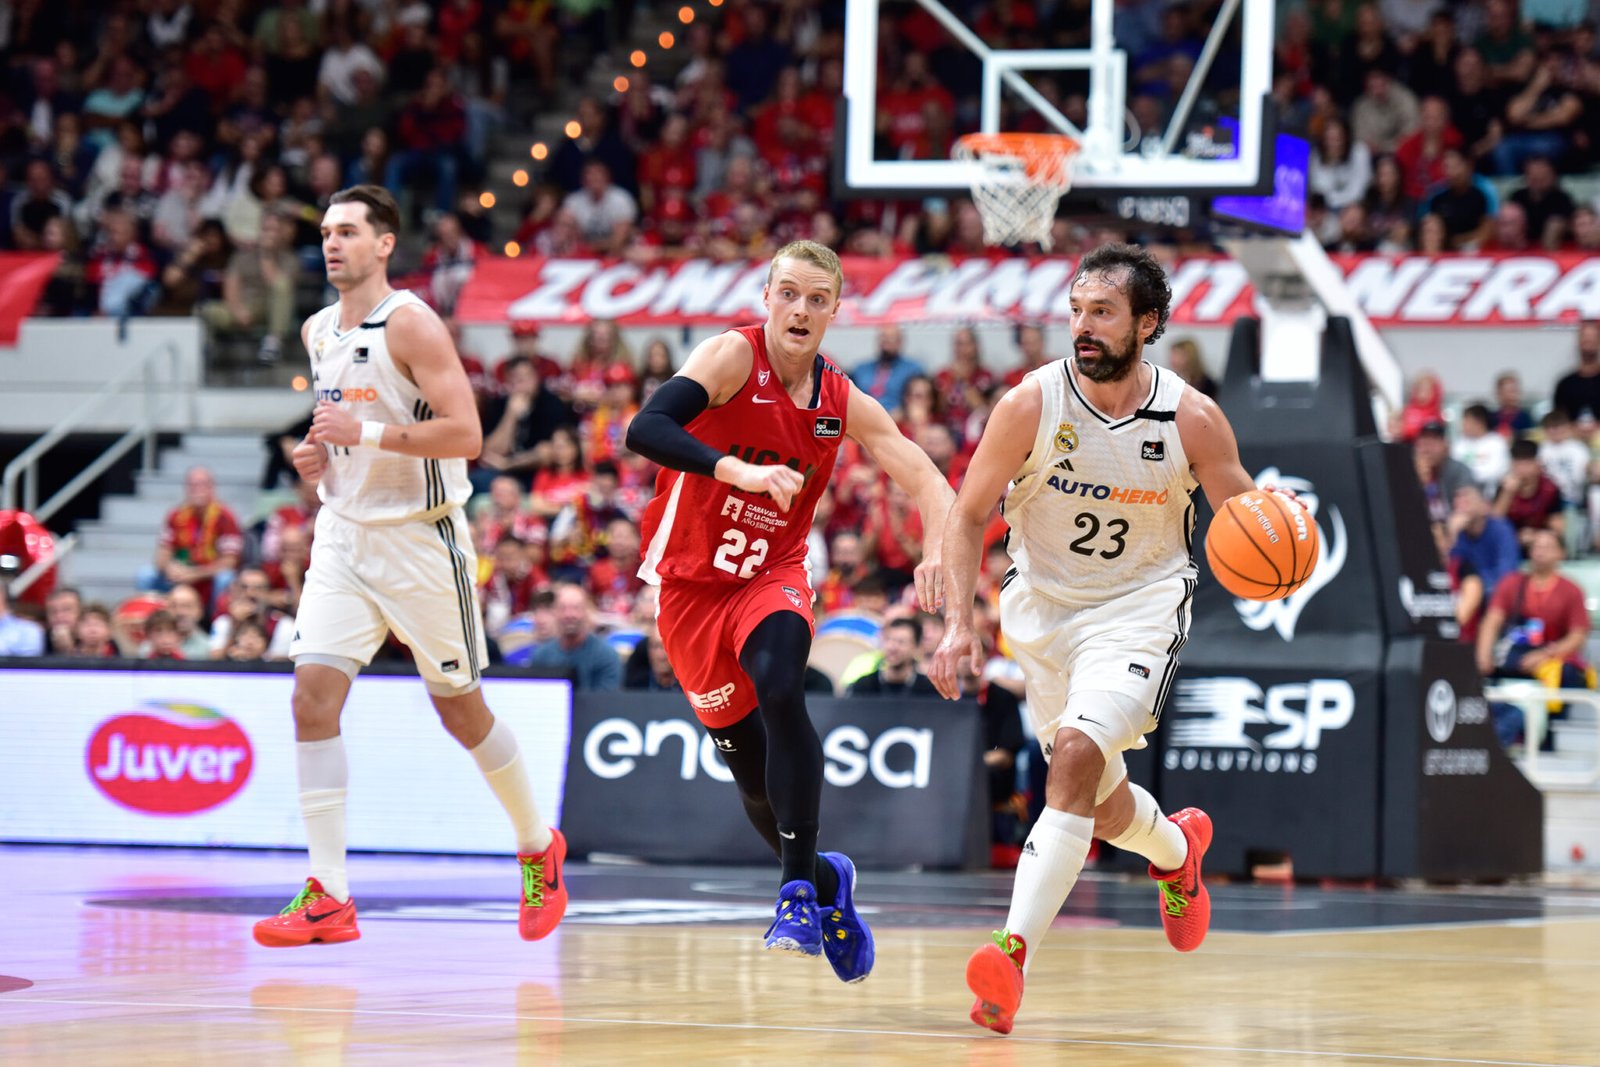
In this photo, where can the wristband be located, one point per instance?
(372, 434)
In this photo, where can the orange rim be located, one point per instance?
(1046, 158)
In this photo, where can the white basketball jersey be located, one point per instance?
(355, 371)
(1102, 507)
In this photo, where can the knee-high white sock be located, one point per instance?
(1151, 834)
(324, 778)
(500, 760)
(1049, 867)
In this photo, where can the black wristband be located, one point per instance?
(657, 433)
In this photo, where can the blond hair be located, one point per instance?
(818, 255)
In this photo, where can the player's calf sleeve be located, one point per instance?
(500, 759)
(1047, 870)
(324, 778)
(1151, 834)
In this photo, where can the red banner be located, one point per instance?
(22, 278)
(1394, 290)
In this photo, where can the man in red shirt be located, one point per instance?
(199, 544)
(1528, 497)
(1543, 616)
(747, 433)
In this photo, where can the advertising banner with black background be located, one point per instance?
(903, 783)
(1296, 723)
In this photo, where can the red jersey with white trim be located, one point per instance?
(701, 530)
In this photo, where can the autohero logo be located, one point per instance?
(169, 758)
(1233, 724)
(1442, 712)
(1281, 615)
(900, 758)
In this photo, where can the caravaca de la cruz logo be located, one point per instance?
(169, 758)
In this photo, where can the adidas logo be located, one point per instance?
(1066, 465)
(1029, 850)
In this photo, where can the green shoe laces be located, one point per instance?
(533, 882)
(307, 895)
(1172, 899)
(1009, 942)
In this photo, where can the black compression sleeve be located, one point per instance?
(657, 433)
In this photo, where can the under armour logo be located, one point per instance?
(725, 744)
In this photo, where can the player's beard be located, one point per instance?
(1110, 365)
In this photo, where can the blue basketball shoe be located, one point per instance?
(845, 937)
(798, 926)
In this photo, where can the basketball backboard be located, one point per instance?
(1165, 99)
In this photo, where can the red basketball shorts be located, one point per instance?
(704, 627)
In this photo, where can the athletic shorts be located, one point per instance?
(704, 626)
(418, 579)
(1128, 646)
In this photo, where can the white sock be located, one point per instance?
(1151, 834)
(324, 777)
(500, 760)
(1050, 864)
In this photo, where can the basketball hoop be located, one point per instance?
(1020, 178)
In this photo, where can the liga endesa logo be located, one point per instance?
(169, 759)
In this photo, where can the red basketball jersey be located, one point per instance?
(698, 529)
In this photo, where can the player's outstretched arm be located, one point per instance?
(913, 471)
(1007, 441)
(1213, 452)
(715, 371)
(422, 348)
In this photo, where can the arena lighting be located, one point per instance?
(637, 58)
(686, 15)
(621, 84)
(539, 150)
(574, 129)
(513, 249)
(299, 383)
(666, 40)
(519, 178)
(486, 200)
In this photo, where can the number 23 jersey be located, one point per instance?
(1102, 507)
(699, 529)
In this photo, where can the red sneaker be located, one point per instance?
(311, 916)
(994, 974)
(1185, 904)
(544, 891)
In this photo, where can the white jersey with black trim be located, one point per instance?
(355, 370)
(1102, 507)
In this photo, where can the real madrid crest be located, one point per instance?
(1067, 438)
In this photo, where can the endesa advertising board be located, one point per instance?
(176, 757)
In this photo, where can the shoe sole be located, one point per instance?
(992, 977)
(792, 947)
(330, 937)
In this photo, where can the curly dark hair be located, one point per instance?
(1145, 283)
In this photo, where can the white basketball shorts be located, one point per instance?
(418, 579)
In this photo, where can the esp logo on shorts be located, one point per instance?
(716, 698)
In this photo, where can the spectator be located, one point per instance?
(1578, 393)
(658, 367)
(188, 612)
(502, 513)
(1420, 154)
(1030, 340)
(1340, 171)
(518, 428)
(1511, 420)
(119, 98)
(576, 646)
(512, 583)
(196, 272)
(18, 636)
(614, 579)
(177, 211)
(561, 481)
(1528, 497)
(1483, 540)
(1548, 207)
(597, 140)
(1484, 453)
(1440, 476)
(247, 643)
(1424, 405)
(162, 640)
(342, 58)
(45, 103)
(1507, 51)
(41, 200)
(214, 65)
(1509, 232)
(1464, 208)
(1542, 615)
(94, 634)
(62, 609)
(1384, 114)
(601, 348)
(258, 289)
(199, 544)
(431, 133)
(965, 380)
(754, 63)
(602, 210)
(1476, 108)
(1564, 458)
(1539, 120)
(648, 668)
(449, 263)
(885, 377)
(483, 80)
(897, 673)
(121, 270)
(249, 600)
(1430, 66)
(1184, 358)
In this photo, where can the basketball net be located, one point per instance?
(1020, 178)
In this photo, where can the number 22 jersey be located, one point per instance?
(701, 530)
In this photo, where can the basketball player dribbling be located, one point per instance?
(747, 434)
(1102, 451)
(394, 426)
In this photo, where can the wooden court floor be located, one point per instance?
(128, 956)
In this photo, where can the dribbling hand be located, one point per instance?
(310, 459)
(777, 481)
(960, 650)
(929, 578)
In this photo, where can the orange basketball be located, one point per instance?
(1262, 546)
